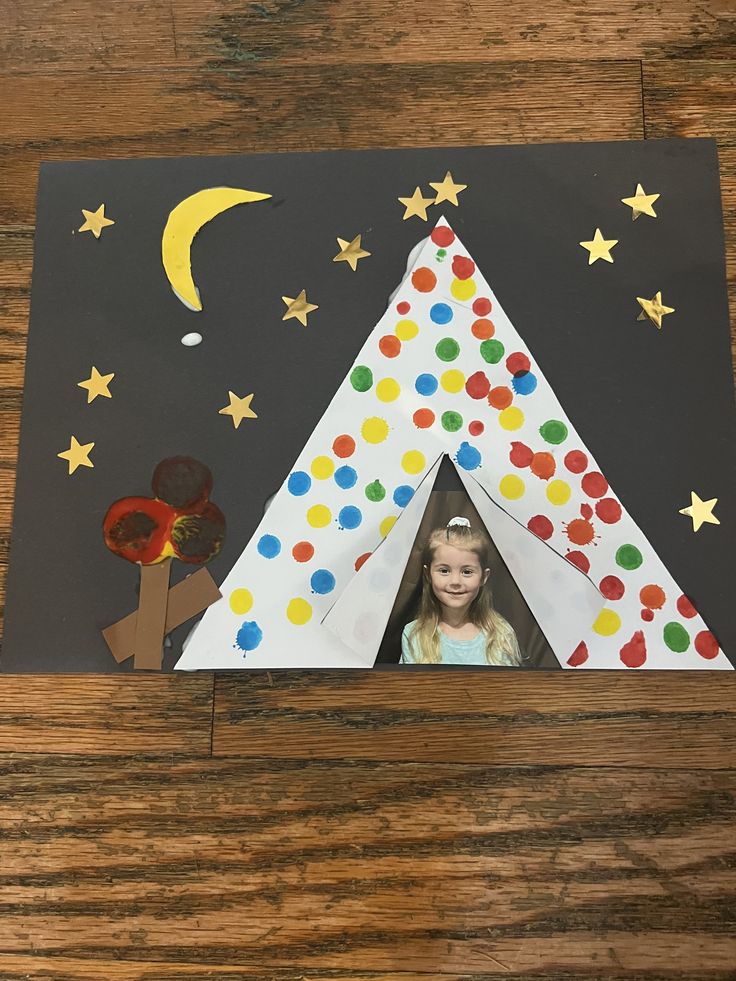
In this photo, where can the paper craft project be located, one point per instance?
(421, 385)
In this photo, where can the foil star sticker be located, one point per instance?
(97, 384)
(416, 205)
(641, 203)
(653, 309)
(95, 221)
(599, 247)
(298, 307)
(447, 189)
(701, 512)
(350, 252)
(238, 409)
(77, 455)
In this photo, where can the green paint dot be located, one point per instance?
(441, 253)
(452, 421)
(554, 431)
(447, 349)
(629, 557)
(676, 637)
(361, 378)
(492, 351)
(375, 491)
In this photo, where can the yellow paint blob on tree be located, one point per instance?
(319, 516)
(413, 461)
(322, 467)
(511, 418)
(387, 524)
(452, 381)
(374, 430)
(299, 611)
(241, 601)
(406, 330)
(388, 390)
(462, 289)
(607, 623)
(512, 487)
(558, 492)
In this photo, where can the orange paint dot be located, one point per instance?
(389, 346)
(543, 465)
(652, 597)
(362, 559)
(483, 329)
(580, 531)
(303, 551)
(423, 418)
(500, 397)
(423, 280)
(343, 446)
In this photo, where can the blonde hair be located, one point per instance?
(501, 643)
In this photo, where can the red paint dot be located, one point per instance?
(608, 510)
(594, 484)
(303, 551)
(520, 454)
(500, 397)
(362, 559)
(423, 418)
(652, 596)
(580, 532)
(587, 511)
(706, 645)
(634, 653)
(580, 560)
(443, 236)
(543, 465)
(647, 615)
(482, 306)
(478, 386)
(389, 346)
(612, 587)
(344, 446)
(403, 307)
(476, 427)
(517, 362)
(541, 526)
(482, 329)
(685, 608)
(579, 655)
(423, 280)
(576, 461)
(462, 267)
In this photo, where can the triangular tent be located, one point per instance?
(444, 371)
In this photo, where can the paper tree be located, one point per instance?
(444, 371)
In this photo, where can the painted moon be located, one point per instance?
(183, 224)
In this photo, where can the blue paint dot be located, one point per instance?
(441, 313)
(468, 457)
(249, 636)
(349, 517)
(345, 477)
(322, 581)
(402, 495)
(524, 382)
(299, 483)
(269, 546)
(426, 384)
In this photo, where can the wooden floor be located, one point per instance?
(356, 826)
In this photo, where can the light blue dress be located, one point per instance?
(453, 651)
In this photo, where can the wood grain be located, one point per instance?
(349, 867)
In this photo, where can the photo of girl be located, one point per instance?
(457, 621)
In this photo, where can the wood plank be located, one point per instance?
(648, 719)
(105, 715)
(444, 869)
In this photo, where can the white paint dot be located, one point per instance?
(191, 340)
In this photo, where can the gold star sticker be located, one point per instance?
(299, 307)
(95, 221)
(239, 408)
(641, 203)
(350, 252)
(653, 309)
(416, 205)
(447, 190)
(97, 384)
(701, 511)
(599, 247)
(77, 455)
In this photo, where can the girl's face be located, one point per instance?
(456, 576)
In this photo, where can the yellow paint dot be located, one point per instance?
(607, 623)
(413, 461)
(374, 430)
(452, 380)
(388, 390)
(462, 289)
(387, 524)
(512, 487)
(241, 601)
(558, 492)
(511, 418)
(319, 516)
(406, 330)
(299, 611)
(322, 467)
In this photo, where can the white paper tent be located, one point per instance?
(444, 371)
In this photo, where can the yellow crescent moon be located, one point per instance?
(183, 224)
